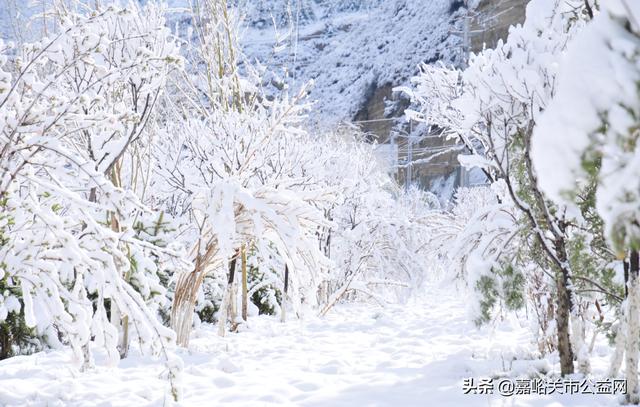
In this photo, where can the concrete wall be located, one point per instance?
(492, 20)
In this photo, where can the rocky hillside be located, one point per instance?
(354, 51)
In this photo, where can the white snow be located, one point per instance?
(358, 355)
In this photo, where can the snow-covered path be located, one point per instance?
(357, 356)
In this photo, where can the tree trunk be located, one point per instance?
(5, 342)
(86, 350)
(228, 298)
(562, 322)
(233, 297)
(579, 344)
(119, 320)
(618, 354)
(633, 329)
(625, 267)
(283, 314)
(124, 345)
(116, 320)
(245, 291)
(563, 311)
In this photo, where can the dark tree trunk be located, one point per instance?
(232, 268)
(625, 266)
(245, 294)
(5, 341)
(633, 329)
(283, 301)
(562, 321)
(563, 311)
(634, 265)
(286, 278)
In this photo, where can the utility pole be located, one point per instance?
(393, 154)
(466, 37)
(407, 182)
(463, 175)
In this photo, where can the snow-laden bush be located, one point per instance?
(70, 107)
(377, 243)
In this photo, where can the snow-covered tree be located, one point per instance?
(492, 108)
(377, 235)
(589, 133)
(231, 164)
(68, 111)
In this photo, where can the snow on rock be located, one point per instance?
(346, 50)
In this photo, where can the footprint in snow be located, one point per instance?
(223, 382)
(227, 366)
(306, 386)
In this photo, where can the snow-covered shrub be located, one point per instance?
(484, 249)
(228, 213)
(15, 336)
(70, 106)
(376, 241)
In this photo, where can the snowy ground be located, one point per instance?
(356, 356)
